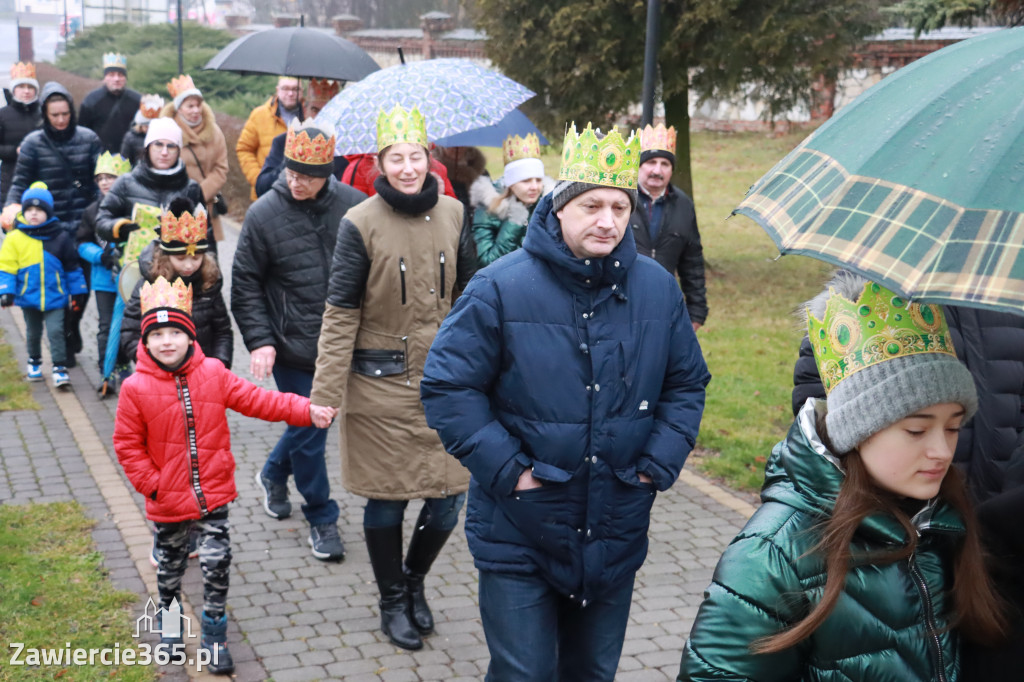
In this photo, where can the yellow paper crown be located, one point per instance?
(187, 228)
(609, 161)
(163, 294)
(23, 70)
(112, 60)
(316, 149)
(660, 138)
(399, 125)
(323, 89)
(515, 148)
(112, 164)
(180, 84)
(150, 105)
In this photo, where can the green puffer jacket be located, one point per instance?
(501, 231)
(767, 580)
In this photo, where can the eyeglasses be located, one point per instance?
(287, 89)
(298, 179)
(169, 146)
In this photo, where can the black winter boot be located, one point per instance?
(385, 548)
(424, 547)
(214, 640)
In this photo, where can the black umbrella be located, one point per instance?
(295, 51)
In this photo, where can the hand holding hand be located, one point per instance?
(111, 258)
(322, 417)
(527, 481)
(261, 362)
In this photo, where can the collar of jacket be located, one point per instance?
(544, 240)
(803, 474)
(146, 175)
(273, 103)
(44, 231)
(25, 107)
(670, 193)
(201, 133)
(319, 204)
(410, 204)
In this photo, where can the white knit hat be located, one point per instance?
(163, 129)
(522, 169)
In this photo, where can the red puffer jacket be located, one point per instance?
(185, 471)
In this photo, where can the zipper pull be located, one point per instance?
(401, 264)
(442, 258)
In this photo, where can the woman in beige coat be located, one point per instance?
(205, 151)
(400, 259)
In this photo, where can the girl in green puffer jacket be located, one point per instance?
(864, 563)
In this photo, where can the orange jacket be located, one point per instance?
(256, 137)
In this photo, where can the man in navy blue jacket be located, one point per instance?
(569, 381)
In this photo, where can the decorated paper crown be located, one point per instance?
(399, 125)
(661, 138)
(163, 294)
(308, 149)
(112, 164)
(323, 89)
(184, 234)
(23, 70)
(515, 148)
(150, 106)
(878, 327)
(180, 84)
(112, 60)
(610, 161)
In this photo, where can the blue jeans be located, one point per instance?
(300, 453)
(535, 634)
(442, 512)
(54, 321)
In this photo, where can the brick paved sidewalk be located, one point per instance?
(294, 617)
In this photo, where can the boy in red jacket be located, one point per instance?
(171, 436)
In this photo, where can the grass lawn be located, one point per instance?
(55, 594)
(751, 337)
(15, 393)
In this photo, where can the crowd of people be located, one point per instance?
(527, 348)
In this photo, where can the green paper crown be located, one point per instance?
(878, 327)
(112, 164)
(610, 161)
(400, 125)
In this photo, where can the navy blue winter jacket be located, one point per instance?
(586, 370)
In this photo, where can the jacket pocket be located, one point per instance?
(378, 363)
(401, 271)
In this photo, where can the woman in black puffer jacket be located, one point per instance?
(159, 177)
(19, 118)
(184, 255)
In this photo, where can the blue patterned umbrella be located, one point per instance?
(454, 95)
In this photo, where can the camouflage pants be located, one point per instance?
(171, 553)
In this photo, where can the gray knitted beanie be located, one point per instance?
(566, 190)
(881, 394)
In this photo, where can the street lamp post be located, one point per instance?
(650, 62)
(181, 43)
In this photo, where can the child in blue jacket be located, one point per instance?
(39, 272)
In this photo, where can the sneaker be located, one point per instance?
(35, 370)
(326, 542)
(60, 376)
(275, 497)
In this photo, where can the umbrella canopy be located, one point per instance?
(919, 183)
(514, 123)
(295, 51)
(454, 95)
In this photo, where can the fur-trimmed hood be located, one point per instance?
(202, 133)
(848, 284)
(483, 192)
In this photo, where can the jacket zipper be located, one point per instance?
(442, 274)
(929, 616)
(190, 434)
(401, 267)
(408, 379)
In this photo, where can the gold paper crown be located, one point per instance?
(323, 89)
(163, 294)
(515, 148)
(112, 60)
(180, 84)
(399, 125)
(660, 138)
(150, 105)
(23, 70)
(112, 164)
(610, 161)
(187, 228)
(317, 150)
(879, 326)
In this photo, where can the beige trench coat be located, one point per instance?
(203, 145)
(387, 450)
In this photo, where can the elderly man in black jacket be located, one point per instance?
(664, 224)
(279, 285)
(109, 109)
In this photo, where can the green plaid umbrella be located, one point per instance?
(919, 183)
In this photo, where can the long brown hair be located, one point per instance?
(978, 610)
(161, 266)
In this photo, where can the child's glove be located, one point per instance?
(110, 258)
(78, 302)
(6, 300)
